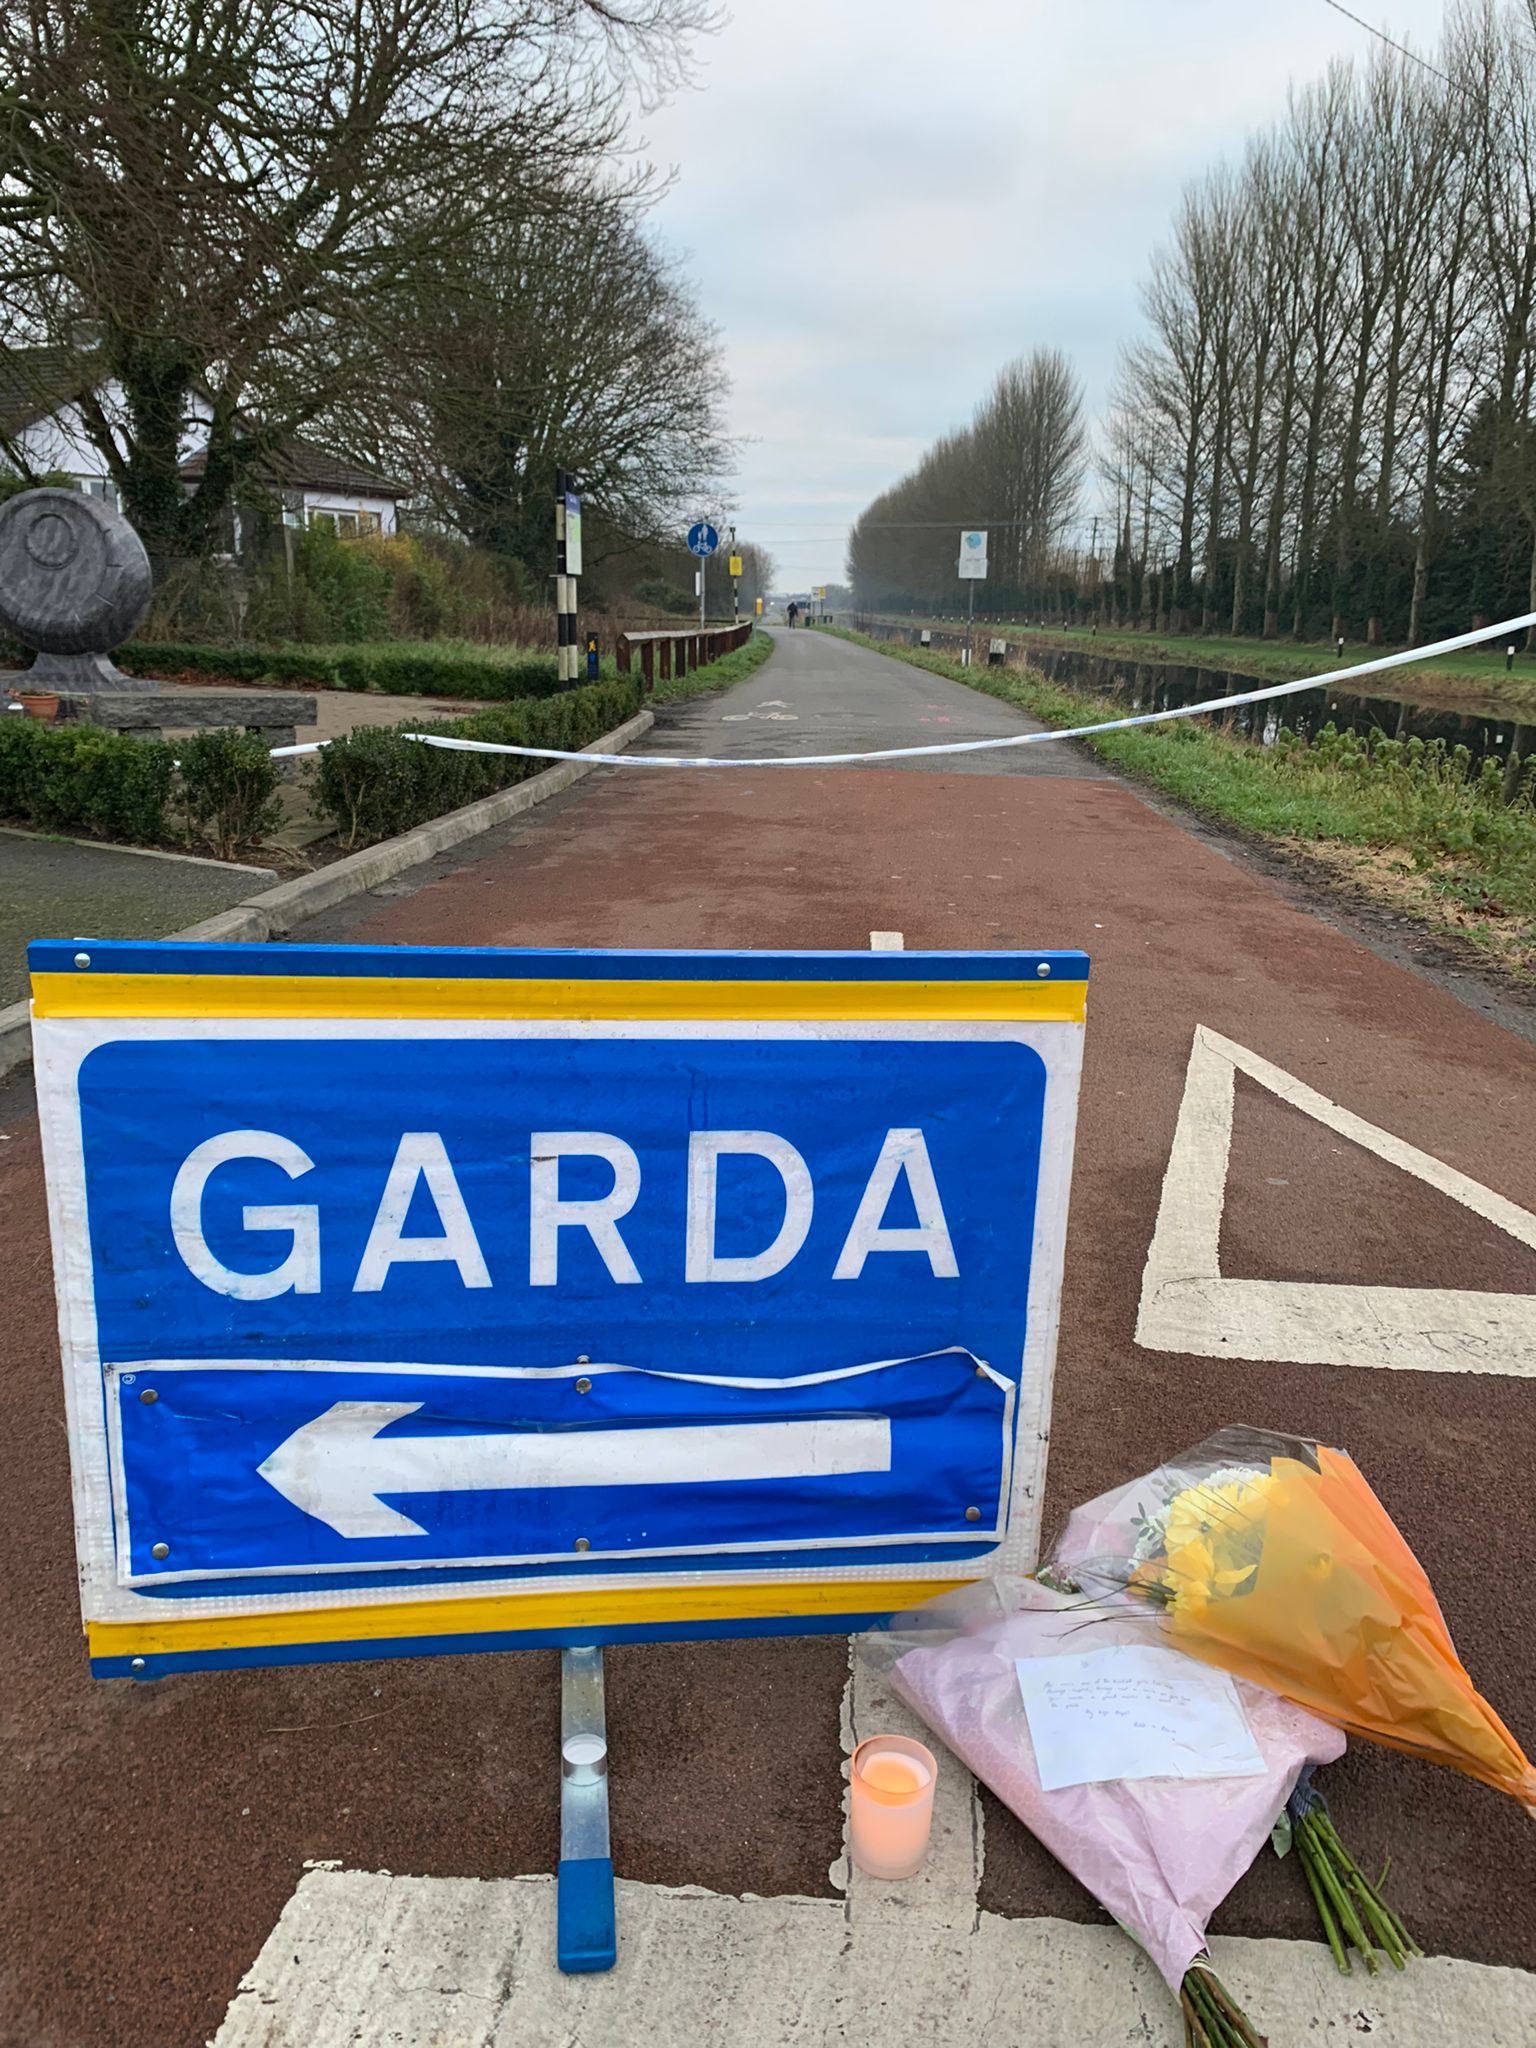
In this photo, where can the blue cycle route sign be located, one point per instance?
(436, 1298)
(702, 538)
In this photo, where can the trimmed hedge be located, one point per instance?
(80, 778)
(228, 788)
(396, 670)
(375, 783)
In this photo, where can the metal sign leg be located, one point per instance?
(586, 1931)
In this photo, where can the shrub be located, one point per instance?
(346, 584)
(228, 789)
(66, 778)
(398, 669)
(375, 782)
(424, 602)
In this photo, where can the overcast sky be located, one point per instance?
(881, 202)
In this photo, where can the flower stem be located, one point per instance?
(1324, 1910)
(1212, 2019)
(1369, 1894)
(1338, 1897)
(1345, 1897)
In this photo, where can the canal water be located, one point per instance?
(1461, 717)
(1473, 721)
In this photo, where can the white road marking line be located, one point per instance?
(1188, 1305)
(362, 1959)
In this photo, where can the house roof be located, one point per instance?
(35, 382)
(303, 465)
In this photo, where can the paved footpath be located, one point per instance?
(1305, 1175)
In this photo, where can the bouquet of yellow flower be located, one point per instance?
(1270, 1557)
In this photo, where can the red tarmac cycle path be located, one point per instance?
(153, 1833)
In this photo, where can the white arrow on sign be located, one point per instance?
(335, 1467)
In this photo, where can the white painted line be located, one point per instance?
(366, 1960)
(1188, 1305)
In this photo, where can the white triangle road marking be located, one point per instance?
(1187, 1304)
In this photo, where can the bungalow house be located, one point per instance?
(41, 428)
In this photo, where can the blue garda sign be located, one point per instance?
(418, 1299)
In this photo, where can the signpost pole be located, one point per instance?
(586, 1930)
(567, 568)
(703, 580)
(560, 575)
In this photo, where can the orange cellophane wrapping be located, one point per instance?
(1341, 1619)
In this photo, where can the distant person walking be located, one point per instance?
(792, 614)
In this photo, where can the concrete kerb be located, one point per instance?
(273, 913)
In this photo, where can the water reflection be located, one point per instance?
(1162, 686)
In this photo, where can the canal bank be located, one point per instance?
(1418, 829)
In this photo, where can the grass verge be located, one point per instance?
(1416, 828)
(716, 675)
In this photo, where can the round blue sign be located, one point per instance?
(702, 538)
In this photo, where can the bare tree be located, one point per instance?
(213, 202)
(560, 338)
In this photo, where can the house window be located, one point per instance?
(348, 525)
(101, 487)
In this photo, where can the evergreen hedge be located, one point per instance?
(375, 782)
(81, 778)
(397, 670)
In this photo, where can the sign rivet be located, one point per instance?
(973, 1514)
(82, 959)
(159, 1550)
(1044, 970)
(149, 1396)
(583, 1386)
(136, 1664)
(582, 1358)
(582, 1543)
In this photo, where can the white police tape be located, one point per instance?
(1331, 681)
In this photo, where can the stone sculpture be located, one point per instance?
(74, 582)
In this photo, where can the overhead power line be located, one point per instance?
(1402, 49)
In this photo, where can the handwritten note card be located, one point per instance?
(1134, 1711)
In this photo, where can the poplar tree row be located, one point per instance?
(1327, 425)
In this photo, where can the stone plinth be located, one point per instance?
(154, 708)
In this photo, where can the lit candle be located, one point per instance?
(890, 1805)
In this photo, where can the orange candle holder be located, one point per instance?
(890, 1806)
